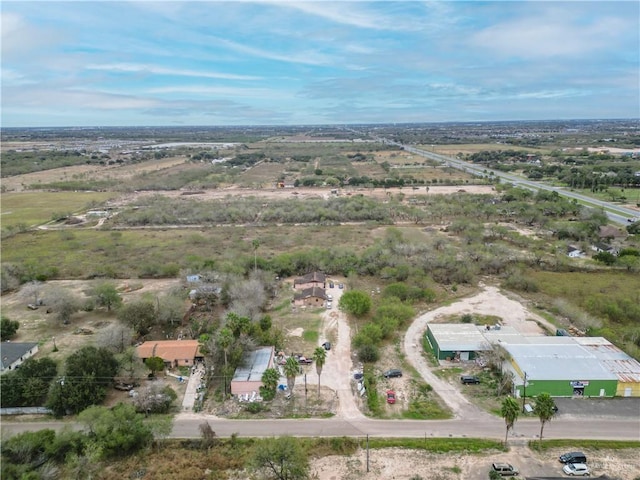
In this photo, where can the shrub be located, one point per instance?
(368, 353)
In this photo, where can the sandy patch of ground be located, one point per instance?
(395, 463)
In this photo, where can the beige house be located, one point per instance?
(175, 353)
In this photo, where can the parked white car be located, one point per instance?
(576, 469)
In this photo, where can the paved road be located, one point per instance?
(615, 213)
(186, 425)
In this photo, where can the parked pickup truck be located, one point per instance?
(302, 360)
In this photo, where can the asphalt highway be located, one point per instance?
(616, 213)
(187, 426)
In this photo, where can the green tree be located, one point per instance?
(291, 371)
(87, 374)
(544, 409)
(355, 302)
(225, 341)
(270, 379)
(510, 410)
(280, 459)
(320, 357)
(140, 315)
(605, 257)
(116, 431)
(155, 364)
(106, 295)
(8, 328)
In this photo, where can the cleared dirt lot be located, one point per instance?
(406, 464)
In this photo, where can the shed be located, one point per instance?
(247, 378)
(456, 341)
(13, 354)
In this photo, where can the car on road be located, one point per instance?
(391, 397)
(326, 345)
(331, 285)
(573, 457)
(574, 469)
(329, 305)
(469, 380)
(341, 285)
(330, 298)
(505, 469)
(393, 373)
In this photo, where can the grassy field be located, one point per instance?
(35, 208)
(95, 253)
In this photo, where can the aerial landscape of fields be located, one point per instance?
(405, 232)
(320, 240)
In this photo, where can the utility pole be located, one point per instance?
(524, 391)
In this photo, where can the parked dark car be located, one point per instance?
(573, 457)
(393, 373)
(326, 345)
(469, 379)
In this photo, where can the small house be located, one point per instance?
(310, 297)
(14, 354)
(314, 279)
(574, 252)
(175, 353)
(247, 378)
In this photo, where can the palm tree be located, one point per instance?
(270, 379)
(544, 410)
(509, 411)
(225, 340)
(256, 244)
(291, 370)
(320, 356)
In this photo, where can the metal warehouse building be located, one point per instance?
(456, 341)
(561, 369)
(559, 365)
(465, 341)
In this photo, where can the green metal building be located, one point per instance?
(561, 368)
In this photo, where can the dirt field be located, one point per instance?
(413, 464)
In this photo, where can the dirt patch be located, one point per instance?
(396, 463)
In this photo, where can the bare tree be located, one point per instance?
(33, 291)
(248, 298)
(63, 303)
(116, 337)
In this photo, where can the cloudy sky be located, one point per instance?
(86, 63)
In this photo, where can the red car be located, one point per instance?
(391, 396)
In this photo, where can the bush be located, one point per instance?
(368, 353)
(254, 407)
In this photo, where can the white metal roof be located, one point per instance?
(558, 362)
(253, 366)
(454, 337)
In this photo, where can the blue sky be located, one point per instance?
(90, 63)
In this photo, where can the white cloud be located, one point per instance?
(145, 68)
(549, 35)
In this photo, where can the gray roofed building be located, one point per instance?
(13, 354)
(248, 377)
